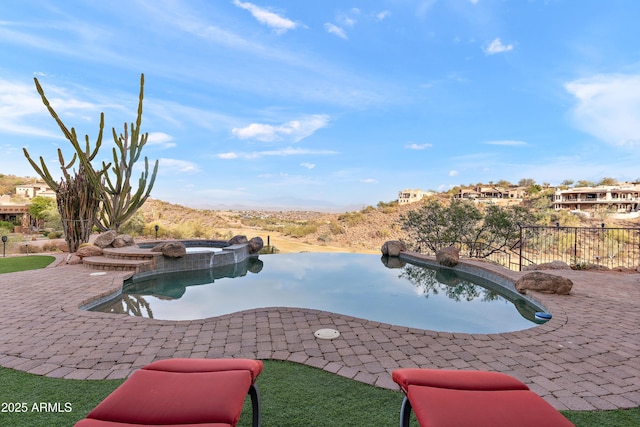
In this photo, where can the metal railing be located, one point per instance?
(576, 246)
(579, 246)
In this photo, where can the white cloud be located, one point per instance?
(161, 139)
(334, 29)
(381, 16)
(474, 1)
(507, 142)
(289, 151)
(496, 46)
(453, 173)
(414, 146)
(171, 166)
(293, 131)
(608, 107)
(266, 17)
(308, 165)
(349, 19)
(369, 181)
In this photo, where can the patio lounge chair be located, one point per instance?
(472, 398)
(181, 392)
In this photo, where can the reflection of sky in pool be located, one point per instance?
(350, 284)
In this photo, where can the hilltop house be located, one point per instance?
(29, 191)
(492, 194)
(623, 199)
(412, 196)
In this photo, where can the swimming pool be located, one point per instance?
(355, 285)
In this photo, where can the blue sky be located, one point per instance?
(330, 104)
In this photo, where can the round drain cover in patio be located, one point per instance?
(326, 334)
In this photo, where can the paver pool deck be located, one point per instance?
(587, 357)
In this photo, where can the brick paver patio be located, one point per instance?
(587, 357)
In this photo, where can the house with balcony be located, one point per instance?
(623, 200)
(492, 194)
(412, 196)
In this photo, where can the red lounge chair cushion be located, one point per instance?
(179, 392)
(449, 398)
(207, 365)
(459, 380)
(88, 422)
(435, 407)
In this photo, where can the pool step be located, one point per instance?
(111, 264)
(131, 258)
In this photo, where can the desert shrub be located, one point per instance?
(49, 247)
(6, 227)
(54, 234)
(29, 249)
(387, 208)
(351, 218)
(300, 230)
(380, 234)
(324, 238)
(135, 226)
(368, 209)
(336, 228)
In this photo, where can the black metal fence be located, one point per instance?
(577, 246)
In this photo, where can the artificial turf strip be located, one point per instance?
(291, 395)
(32, 400)
(23, 263)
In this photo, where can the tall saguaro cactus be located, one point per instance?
(104, 195)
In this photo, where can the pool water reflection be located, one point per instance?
(351, 284)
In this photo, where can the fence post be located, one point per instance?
(521, 243)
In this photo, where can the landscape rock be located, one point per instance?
(553, 265)
(393, 248)
(238, 240)
(173, 249)
(122, 240)
(449, 256)
(255, 245)
(63, 246)
(89, 250)
(73, 259)
(105, 239)
(545, 283)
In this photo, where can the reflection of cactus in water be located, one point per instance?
(435, 281)
(133, 305)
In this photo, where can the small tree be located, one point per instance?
(39, 208)
(461, 223)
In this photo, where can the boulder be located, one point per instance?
(545, 283)
(393, 248)
(449, 256)
(238, 240)
(105, 239)
(63, 246)
(255, 245)
(73, 259)
(89, 250)
(122, 240)
(173, 249)
(553, 265)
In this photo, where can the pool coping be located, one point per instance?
(587, 357)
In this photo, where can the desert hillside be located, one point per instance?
(360, 231)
